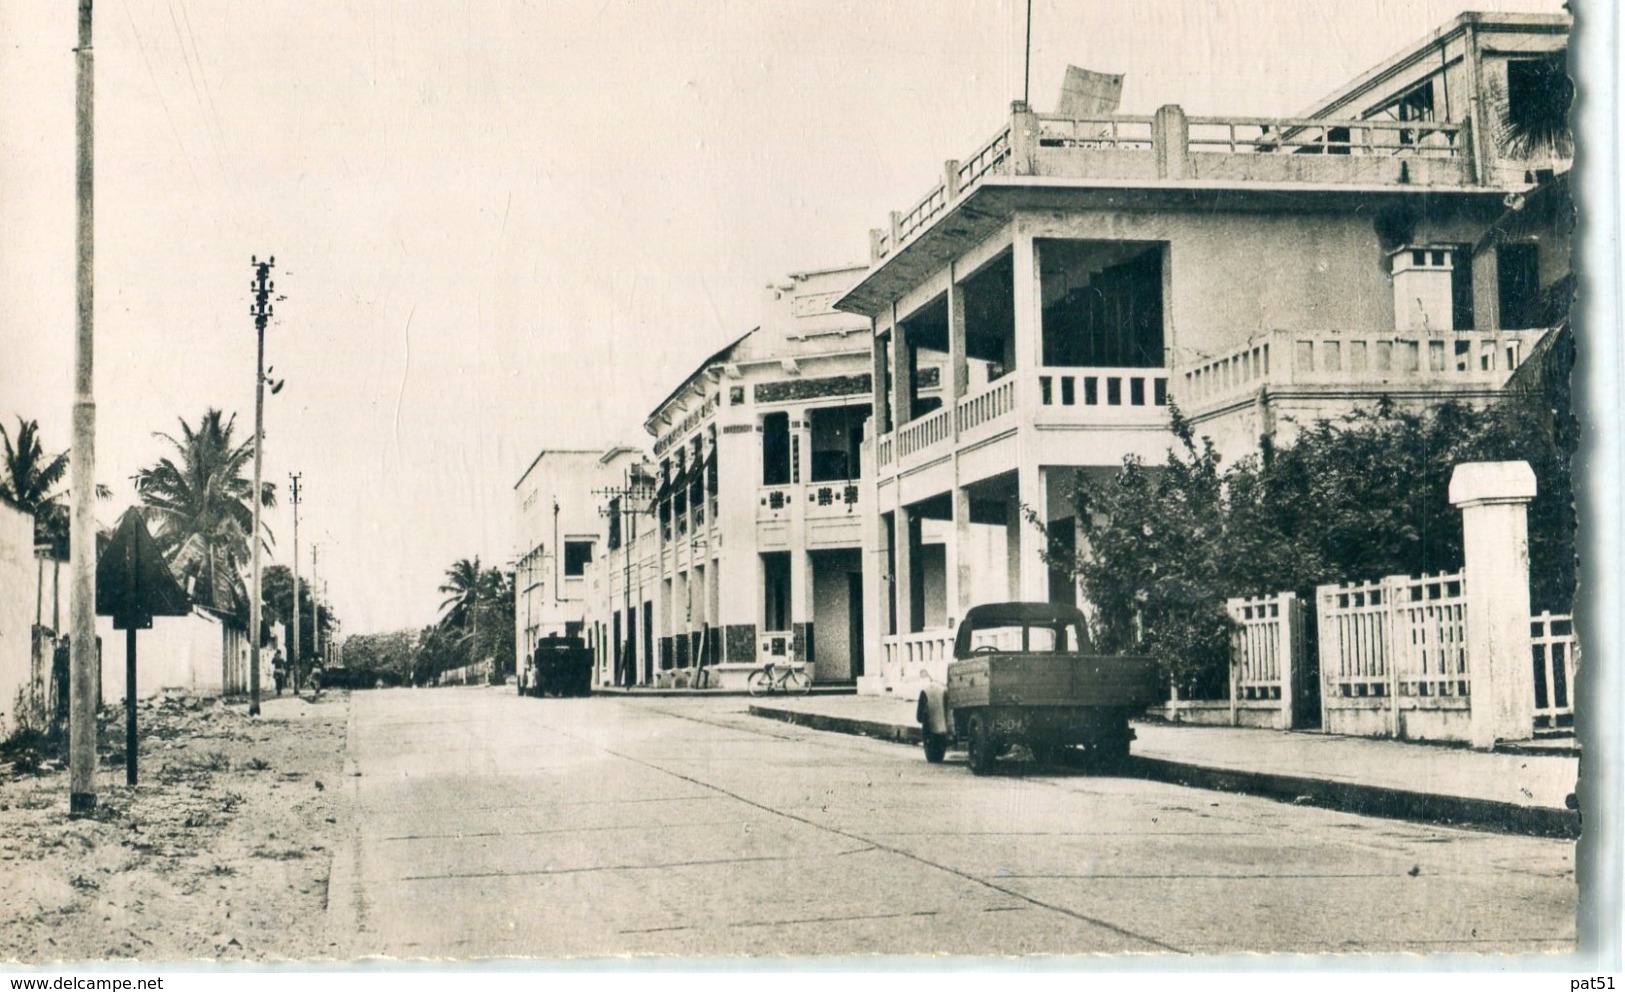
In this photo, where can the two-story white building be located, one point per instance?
(561, 531)
(1076, 275)
(745, 547)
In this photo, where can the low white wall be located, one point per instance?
(18, 586)
(183, 654)
(1259, 714)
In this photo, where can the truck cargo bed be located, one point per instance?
(1023, 679)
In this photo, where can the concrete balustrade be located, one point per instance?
(1172, 147)
(1350, 358)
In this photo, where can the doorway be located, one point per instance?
(854, 612)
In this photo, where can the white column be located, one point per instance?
(1494, 498)
(1028, 318)
(904, 577)
(801, 601)
(875, 605)
(1030, 578)
(958, 562)
(877, 372)
(958, 365)
(902, 401)
(1033, 586)
(738, 573)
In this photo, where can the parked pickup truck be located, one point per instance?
(1026, 673)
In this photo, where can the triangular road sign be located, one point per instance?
(133, 584)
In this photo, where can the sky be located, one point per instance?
(502, 226)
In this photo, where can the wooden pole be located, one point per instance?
(129, 705)
(83, 660)
(255, 608)
(315, 603)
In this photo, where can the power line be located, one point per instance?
(211, 120)
(158, 89)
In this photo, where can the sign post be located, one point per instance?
(133, 585)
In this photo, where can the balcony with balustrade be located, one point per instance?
(1046, 220)
(1081, 375)
(1341, 361)
(1168, 148)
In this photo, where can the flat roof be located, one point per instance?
(991, 204)
(1495, 21)
(598, 454)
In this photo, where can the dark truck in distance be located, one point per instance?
(1026, 673)
(560, 666)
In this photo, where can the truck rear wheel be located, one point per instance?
(979, 745)
(1112, 753)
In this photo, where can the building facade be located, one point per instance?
(744, 546)
(561, 529)
(1078, 275)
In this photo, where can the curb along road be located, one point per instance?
(1347, 797)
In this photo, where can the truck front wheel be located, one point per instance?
(979, 744)
(936, 748)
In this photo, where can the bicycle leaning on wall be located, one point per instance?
(771, 678)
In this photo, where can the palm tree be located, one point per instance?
(478, 608)
(1537, 122)
(204, 509)
(28, 482)
(463, 590)
(29, 476)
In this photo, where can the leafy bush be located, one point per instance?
(1348, 500)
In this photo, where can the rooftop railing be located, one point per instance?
(957, 177)
(1118, 133)
(1286, 136)
(1168, 146)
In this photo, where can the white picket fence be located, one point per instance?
(1270, 630)
(1557, 658)
(1394, 653)
(1393, 662)
(1393, 657)
(1266, 667)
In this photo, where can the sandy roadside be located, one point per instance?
(223, 852)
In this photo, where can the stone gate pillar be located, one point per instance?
(1494, 500)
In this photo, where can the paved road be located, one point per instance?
(491, 825)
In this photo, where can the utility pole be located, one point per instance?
(298, 635)
(315, 603)
(84, 663)
(261, 311)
